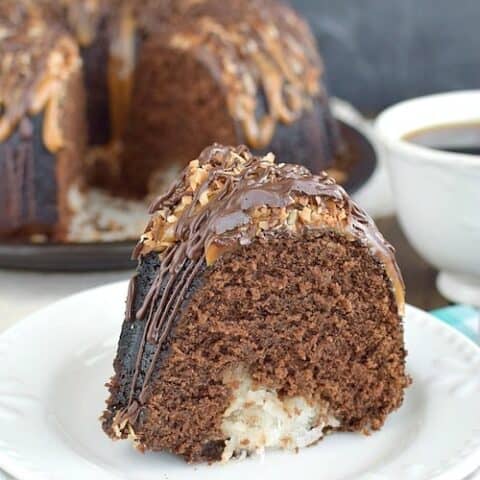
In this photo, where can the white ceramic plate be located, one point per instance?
(53, 366)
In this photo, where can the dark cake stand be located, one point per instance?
(357, 168)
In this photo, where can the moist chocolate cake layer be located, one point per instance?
(201, 117)
(28, 187)
(256, 277)
(314, 317)
(257, 81)
(70, 159)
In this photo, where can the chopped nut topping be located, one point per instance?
(304, 210)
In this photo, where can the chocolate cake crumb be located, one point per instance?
(302, 312)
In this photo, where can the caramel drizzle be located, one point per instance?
(40, 88)
(258, 184)
(43, 90)
(129, 314)
(120, 79)
(120, 71)
(253, 57)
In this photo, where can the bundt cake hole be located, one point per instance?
(165, 108)
(95, 57)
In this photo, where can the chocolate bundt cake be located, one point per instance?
(266, 311)
(42, 135)
(121, 94)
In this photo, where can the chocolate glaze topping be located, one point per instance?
(129, 314)
(221, 217)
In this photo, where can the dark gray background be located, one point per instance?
(378, 52)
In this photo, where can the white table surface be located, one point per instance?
(22, 293)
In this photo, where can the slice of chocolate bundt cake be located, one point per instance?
(266, 311)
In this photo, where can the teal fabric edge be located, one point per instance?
(463, 318)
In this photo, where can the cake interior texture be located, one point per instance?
(313, 322)
(292, 334)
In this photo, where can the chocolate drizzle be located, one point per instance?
(129, 314)
(239, 184)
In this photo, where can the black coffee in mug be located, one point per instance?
(456, 137)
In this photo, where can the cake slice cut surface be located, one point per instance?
(266, 311)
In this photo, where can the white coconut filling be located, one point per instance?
(257, 419)
(100, 217)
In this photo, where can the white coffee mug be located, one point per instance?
(437, 193)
